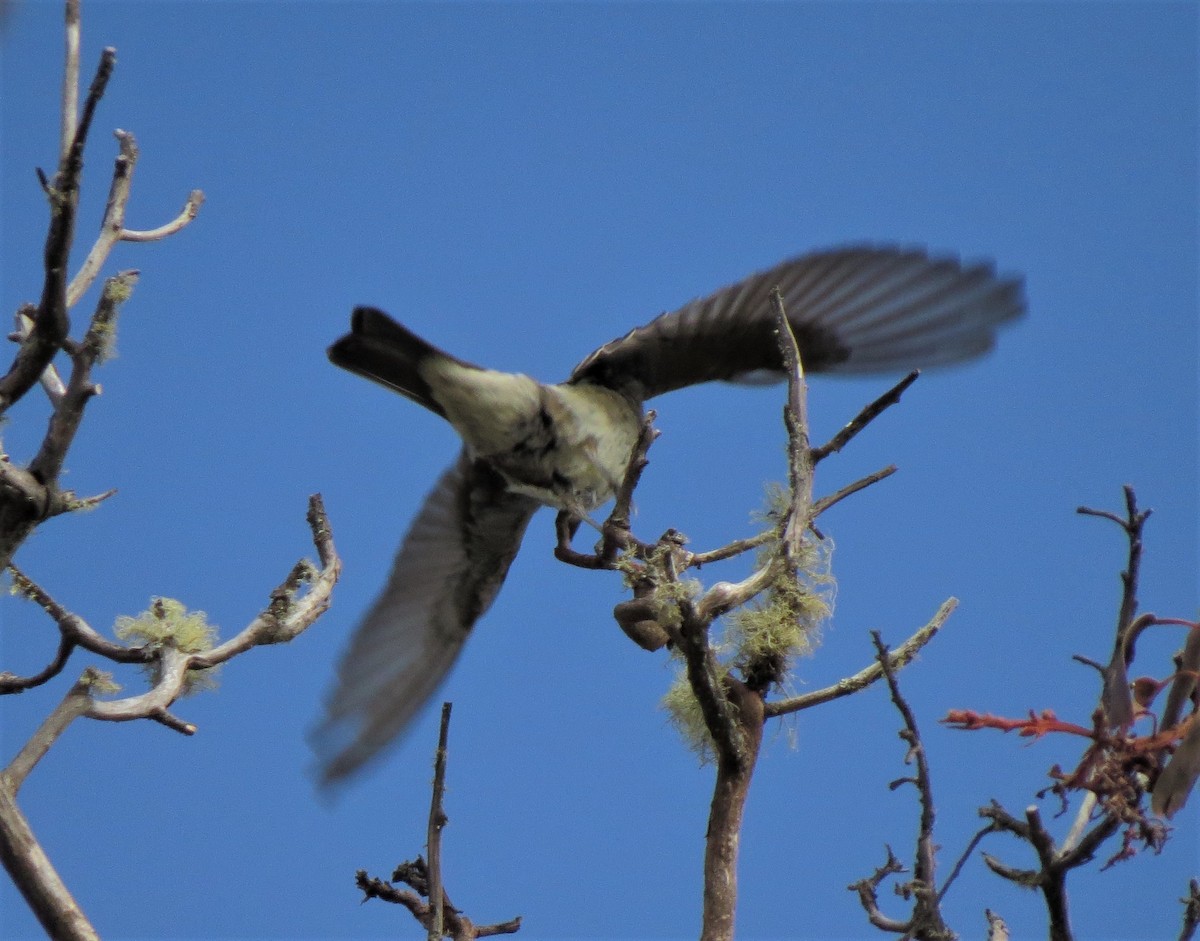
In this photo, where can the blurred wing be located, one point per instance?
(853, 310)
(445, 576)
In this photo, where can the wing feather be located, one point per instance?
(859, 309)
(446, 575)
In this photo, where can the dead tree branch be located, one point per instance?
(295, 605)
(285, 617)
(1191, 911)
(429, 903)
(925, 923)
(1119, 768)
(29, 495)
(723, 702)
(897, 658)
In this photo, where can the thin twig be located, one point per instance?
(189, 211)
(284, 618)
(11, 683)
(279, 623)
(729, 551)
(1115, 696)
(899, 657)
(1191, 911)
(51, 324)
(70, 87)
(864, 418)
(437, 820)
(868, 895)
(114, 217)
(824, 503)
(926, 920)
(74, 628)
(962, 859)
(64, 424)
(800, 456)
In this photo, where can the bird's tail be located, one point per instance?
(386, 352)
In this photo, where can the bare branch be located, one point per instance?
(70, 88)
(114, 217)
(1116, 698)
(60, 434)
(709, 686)
(824, 503)
(1054, 863)
(962, 859)
(375, 888)
(32, 873)
(864, 418)
(112, 228)
(75, 704)
(868, 895)
(51, 381)
(800, 456)
(285, 617)
(735, 548)
(926, 921)
(437, 821)
(171, 680)
(83, 504)
(73, 629)
(52, 324)
(189, 211)
(439, 916)
(1053, 878)
(735, 770)
(725, 596)
(11, 683)
(1191, 911)
(899, 657)
(288, 616)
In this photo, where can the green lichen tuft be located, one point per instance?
(168, 623)
(684, 714)
(20, 587)
(103, 336)
(100, 682)
(776, 501)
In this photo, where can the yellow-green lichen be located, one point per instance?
(168, 623)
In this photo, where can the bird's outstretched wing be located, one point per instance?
(854, 310)
(446, 574)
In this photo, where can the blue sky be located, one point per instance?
(522, 183)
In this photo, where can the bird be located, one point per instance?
(854, 310)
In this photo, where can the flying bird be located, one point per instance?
(528, 445)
